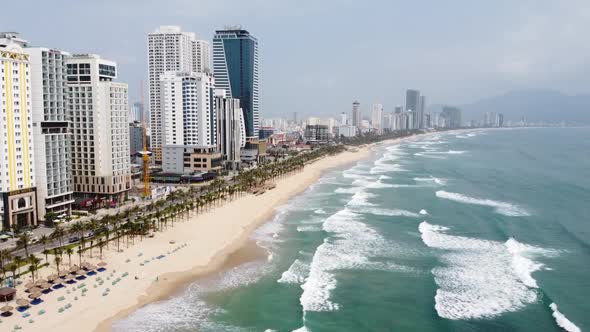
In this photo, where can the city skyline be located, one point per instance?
(487, 63)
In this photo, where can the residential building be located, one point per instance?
(18, 196)
(170, 49)
(413, 104)
(422, 114)
(313, 121)
(317, 133)
(231, 130)
(452, 117)
(137, 113)
(99, 110)
(356, 114)
(265, 132)
(51, 130)
(377, 118)
(135, 138)
(189, 121)
(235, 64)
(347, 131)
(343, 118)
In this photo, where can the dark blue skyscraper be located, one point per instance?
(235, 65)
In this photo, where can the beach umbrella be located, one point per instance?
(69, 277)
(22, 302)
(29, 285)
(6, 308)
(81, 272)
(35, 295)
(35, 290)
(74, 268)
(63, 274)
(52, 277)
(102, 264)
(46, 285)
(40, 282)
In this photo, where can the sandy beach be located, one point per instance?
(200, 246)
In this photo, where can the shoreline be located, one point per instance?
(175, 282)
(172, 282)
(205, 244)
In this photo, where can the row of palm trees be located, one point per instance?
(137, 222)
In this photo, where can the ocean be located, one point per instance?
(486, 230)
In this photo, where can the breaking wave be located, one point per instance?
(500, 207)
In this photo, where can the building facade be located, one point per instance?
(317, 133)
(18, 197)
(231, 130)
(100, 128)
(51, 131)
(452, 117)
(356, 114)
(413, 104)
(170, 49)
(235, 64)
(377, 118)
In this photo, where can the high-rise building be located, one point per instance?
(356, 114)
(137, 113)
(189, 123)
(235, 64)
(413, 104)
(188, 112)
(422, 113)
(99, 109)
(51, 130)
(399, 109)
(343, 119)
(170, 49)
(135, 139)
(18, 206)
(500, 120)
(377, 118)
(231, 130)
(452, 117)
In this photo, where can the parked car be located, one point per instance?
(73, 239)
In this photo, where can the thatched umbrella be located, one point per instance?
(35, 290)
(101, 264)
(6, 308)
(29, 284)
(35, 295)
(69, 277)
(81, 272)
(40, 282)
(63, 274)
(74, 268)
(52, 277)
(46, 285)
(22, 303)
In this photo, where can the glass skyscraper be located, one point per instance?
(235, 65)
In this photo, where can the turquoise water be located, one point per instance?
(478, 231)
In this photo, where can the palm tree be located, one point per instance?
(18, 261)
(70, 251)
(44, 240)
(34, 265)
(57, 262)
(24, 240)
(80, 254)
(46, 253)
(13, 268)
(100, 246)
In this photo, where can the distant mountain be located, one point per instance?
(535, 105)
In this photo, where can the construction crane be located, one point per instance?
(145, 154)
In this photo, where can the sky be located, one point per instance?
(316, 57)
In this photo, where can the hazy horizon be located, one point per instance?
(317, 57)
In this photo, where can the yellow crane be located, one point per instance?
(145, 154)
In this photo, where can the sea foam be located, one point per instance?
(562, 321)
(500, 207)
(480, 278)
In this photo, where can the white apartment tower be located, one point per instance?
(170, 49)
(100, 128)
(231, 129)
(17, 173)
(188, 116)
(377, 118)
(51, 131)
